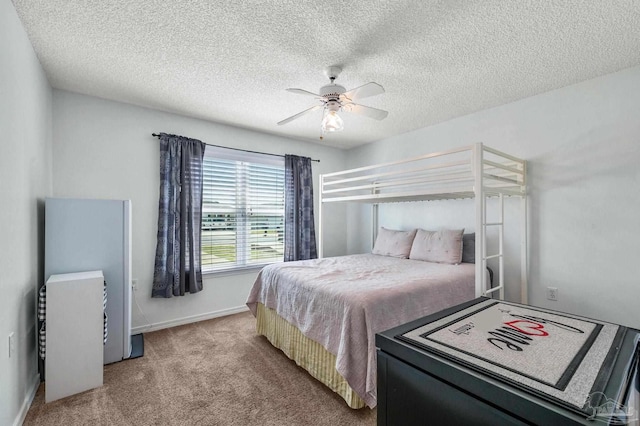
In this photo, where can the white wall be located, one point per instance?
(582, 144)
(104, 149)
(25, 179)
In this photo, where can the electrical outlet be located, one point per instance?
(12, 344)
(134, 284)
(552, 293)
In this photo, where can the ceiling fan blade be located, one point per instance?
(303, 92)
(370, 112)
(364, 91)
(298, 115)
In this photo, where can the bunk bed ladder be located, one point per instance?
(482, 287)
(480, 280)
(483, 190)
(500, 255)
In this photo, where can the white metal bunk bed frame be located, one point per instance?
(474, 171)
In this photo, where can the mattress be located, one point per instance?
(342, 302)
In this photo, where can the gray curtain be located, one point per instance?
(299, 228)
(177, 264)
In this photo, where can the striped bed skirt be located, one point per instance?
(308, 354)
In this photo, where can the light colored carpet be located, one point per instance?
(215, 372)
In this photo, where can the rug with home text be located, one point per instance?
(559, 356)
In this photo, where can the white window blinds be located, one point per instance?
(242, 209)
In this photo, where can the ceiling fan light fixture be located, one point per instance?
(332, 122)
(335, 98)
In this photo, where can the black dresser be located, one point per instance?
(427, 377)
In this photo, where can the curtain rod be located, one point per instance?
(238, 149)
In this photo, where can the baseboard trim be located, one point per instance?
(28, 400)
(188, 320)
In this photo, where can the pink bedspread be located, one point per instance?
(342, 302)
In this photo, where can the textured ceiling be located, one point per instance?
(231, 61)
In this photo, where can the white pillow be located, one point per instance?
(394, 243)
(443, 246)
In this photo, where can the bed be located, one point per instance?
(324, 313)
(342, 302)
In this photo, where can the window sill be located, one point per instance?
(235, 270)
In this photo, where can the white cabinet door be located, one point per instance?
(74, 330)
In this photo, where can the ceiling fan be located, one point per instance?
(335, 98)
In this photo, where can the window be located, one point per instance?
(242, 209)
